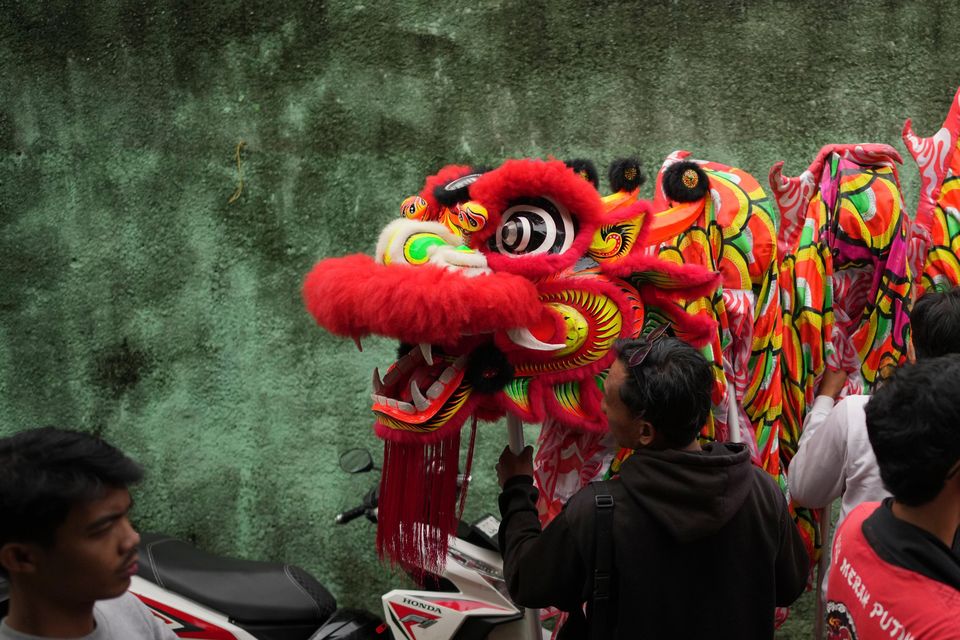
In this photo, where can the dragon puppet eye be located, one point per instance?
(532, 227)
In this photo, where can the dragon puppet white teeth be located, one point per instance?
(420, 355)
(406, 407)
(435, 390)
(521, 336)
(448, 374)
(426, 349)
(421, 403)
(416, 358)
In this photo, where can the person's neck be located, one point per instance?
(693, 446)
(42, 616)
(940, 516)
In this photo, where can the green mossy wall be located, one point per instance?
(136, 302)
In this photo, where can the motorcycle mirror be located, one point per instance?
(356, 461)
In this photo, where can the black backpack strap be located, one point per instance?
(603, 562)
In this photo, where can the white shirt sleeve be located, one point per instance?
(816, 473)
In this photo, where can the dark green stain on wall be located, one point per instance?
(137, 302)
(118, 368)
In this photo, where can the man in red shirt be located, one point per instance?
(894, 573)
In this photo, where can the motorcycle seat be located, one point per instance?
(246, 591)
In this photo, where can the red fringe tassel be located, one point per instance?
(418, 504)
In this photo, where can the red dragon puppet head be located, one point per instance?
(507, 289)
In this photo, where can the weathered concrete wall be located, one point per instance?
(137, 302)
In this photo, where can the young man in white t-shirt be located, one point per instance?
(66, 543)
(834, 458)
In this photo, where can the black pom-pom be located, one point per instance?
(626, 174)
(586, 170)
(489, 370)
(457, 191)
(685, 182)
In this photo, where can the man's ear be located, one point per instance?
(646, 434)
(17, 557)
(911, 351)
(953, 474)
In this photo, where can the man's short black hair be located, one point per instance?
(670, 388)
(45, 472)
(935, 323)
(914, 426)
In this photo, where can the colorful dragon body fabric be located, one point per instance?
(845, 284)
(734, 233)
(731, 231)
(843, 238)
(507, 290)
(935, 233)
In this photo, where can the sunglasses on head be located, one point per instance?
(640, 354)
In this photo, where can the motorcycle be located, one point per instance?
(201, 595)
(469, 600)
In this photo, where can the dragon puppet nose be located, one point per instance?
(415, 243)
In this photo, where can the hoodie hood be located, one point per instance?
(691, 493)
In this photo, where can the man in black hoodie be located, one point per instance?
(703, 545)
